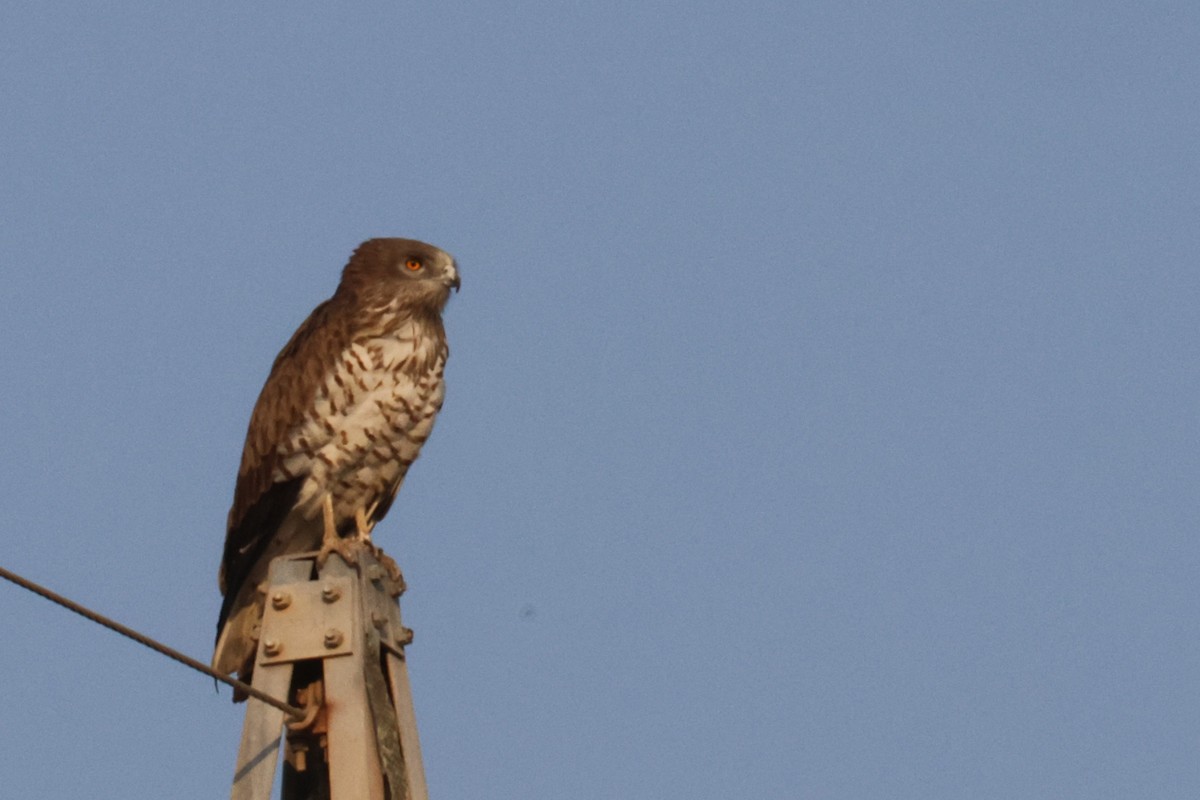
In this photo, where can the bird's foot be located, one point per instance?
(331, 542)
(363, 523)
(348, 548)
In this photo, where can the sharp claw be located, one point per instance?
(344, 547)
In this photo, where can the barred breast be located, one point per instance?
(372, 414)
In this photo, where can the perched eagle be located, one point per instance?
(343, 414)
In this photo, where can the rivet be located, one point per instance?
(330, 593)
(281, 600)
(405, 637)
(333, 638)
(272, 647)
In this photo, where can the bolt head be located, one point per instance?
(333, 638)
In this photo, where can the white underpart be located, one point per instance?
(380, 416)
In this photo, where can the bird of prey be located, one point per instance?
(349, 402)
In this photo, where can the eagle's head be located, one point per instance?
(416, 273)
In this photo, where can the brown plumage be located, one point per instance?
(348, 403)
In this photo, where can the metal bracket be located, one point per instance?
(313, 619)
(337, 641)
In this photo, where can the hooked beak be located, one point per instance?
(454, 281)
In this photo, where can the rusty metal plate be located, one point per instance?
(312, 619)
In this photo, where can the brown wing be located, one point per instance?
(260, 500)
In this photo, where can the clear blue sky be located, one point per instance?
(822, 415)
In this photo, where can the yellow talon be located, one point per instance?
(330, 541)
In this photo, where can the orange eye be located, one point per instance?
(412, 265)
